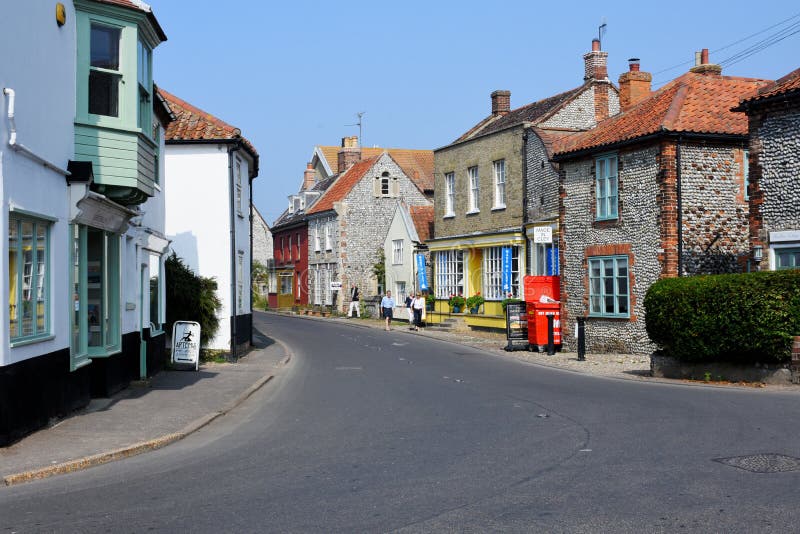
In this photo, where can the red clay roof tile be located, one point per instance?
(693, 102)
(422, 216)
(194, 124)
(416, 164)
(342, 186)
(788, 84)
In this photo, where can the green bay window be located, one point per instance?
(609, 293)
(95, 293)
(28, 277)
(145, 79)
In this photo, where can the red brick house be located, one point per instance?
(655, 191)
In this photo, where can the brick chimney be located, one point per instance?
(309, 177)
(595, 63)
(501, 102)
(702, 66)
(349, 154)
(634, 85)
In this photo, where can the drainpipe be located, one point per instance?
(232, 222)
(680, 205)
(12, 140)
(250, 186)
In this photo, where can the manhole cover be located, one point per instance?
(763, 463)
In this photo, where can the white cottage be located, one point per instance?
(410, 228)
(79, 259)
(210, 169)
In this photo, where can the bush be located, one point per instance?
(191, 298)
(741, 318)
(504, 302)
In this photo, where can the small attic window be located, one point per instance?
(385, 184)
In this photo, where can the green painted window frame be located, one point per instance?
(607, 187)
(128, 87)
(108, 271)
(792, 253)
(39, 276)
(604, 285)
(144, 77)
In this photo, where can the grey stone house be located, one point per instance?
(774, 189)
(348, 224)
(495, 184)
(656, 191)
(262, 249)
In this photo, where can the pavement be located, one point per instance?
(176, 403)
(142, 418)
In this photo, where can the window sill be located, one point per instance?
(472, 212)
(615, 317)
(498, 208)
(31, 341)
(449, 216)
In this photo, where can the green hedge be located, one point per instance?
(741, 318)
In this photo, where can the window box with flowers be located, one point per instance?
(457, 302)
(475, 302)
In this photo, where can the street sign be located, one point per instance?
(186, 343)
(336, 286)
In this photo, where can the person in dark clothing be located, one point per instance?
(354, 301)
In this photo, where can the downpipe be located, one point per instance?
(17, 147)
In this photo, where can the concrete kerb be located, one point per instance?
(144, 446)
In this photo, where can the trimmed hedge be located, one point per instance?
(740, 318)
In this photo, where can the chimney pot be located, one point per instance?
(501, 102)
(309, 177)
(633, 64)
(703, 66)
(704, 57)
(595, 45)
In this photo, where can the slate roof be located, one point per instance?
(789, 85)
(194, 124)
(692, 103)
(342, 185)
(416, 164)
(422, 216)
(138, 5)
(534, 112)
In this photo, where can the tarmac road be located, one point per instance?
(374, 431)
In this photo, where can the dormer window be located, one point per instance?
(104, 71)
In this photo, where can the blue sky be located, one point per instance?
(293, 75)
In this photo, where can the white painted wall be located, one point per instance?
(38, 62)
(197, 197)
(404, 271)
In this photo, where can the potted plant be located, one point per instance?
(474, 302)
(430, 301)
(457, 302)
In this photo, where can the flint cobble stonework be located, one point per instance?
(635, 233)
(541, 182)
(774, 172)
(361, 221)
(580, 113)
(714, 230)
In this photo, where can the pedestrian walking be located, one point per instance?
(387, 305)
(410, 309)
(354, 301)
(418, 306)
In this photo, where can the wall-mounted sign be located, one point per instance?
(336, 286)
(186, 343)
(543, 234)
(422, 275)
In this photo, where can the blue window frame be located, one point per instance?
(606, 187)
(787, 258)
(609, 288)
